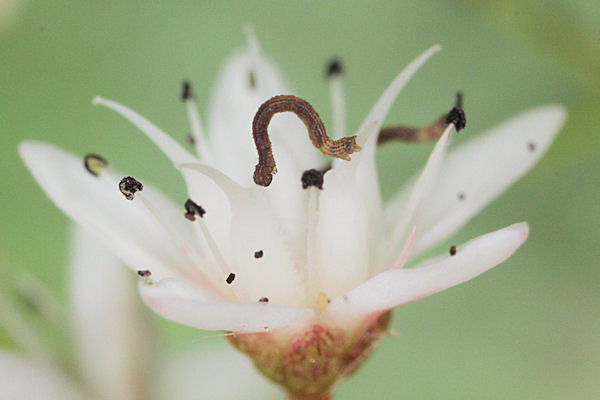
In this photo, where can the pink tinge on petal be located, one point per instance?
(400, 286)
(182, 303)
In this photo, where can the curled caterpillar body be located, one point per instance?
(266, 167)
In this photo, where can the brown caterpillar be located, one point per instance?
(265, 169)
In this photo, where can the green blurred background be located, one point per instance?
(529, 329)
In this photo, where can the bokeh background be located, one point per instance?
(529, 329)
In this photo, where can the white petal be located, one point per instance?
(179, 302)
(173, 150)
(482, 169)
(232, 110)
(112, 331)
(400, 286)
(420, 191)
(254, 227)
(216, 372)
(29, 379)
(199, 188)
(96, 203)
(363, 162)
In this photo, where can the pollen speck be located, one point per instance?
(452, 250)
(230, 278)
(531, 146)
(192, 210)
(322, 302)
(258, 254)
(264, 300)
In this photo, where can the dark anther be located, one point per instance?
(457, 115)
(334, 68)
(258, 254)
(230, 278)
(192, 210)
(129, 186)
(144, 273)
(264, 300)
(452, 250)
(94, 163)
(312, 177)
(531, 146)
(186, 91)
(190, 139)
(461, 196)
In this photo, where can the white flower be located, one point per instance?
(115, 354)
(309, 269)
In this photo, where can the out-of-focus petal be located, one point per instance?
(400, 286)
(113, 336)
(30, 379)
(96, 203)
(249, 79)
(180, 302)
(209, 371)
(480, 170)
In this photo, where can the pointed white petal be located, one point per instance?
(480, 170)
(254, 227)
(400, 286)
(383, 105)
(249, 79)
(179, 302)
(216, 372)
(173, 150)
(96, 203)
(25, 378)
(113, 337)
(363, 162)
(420, 191)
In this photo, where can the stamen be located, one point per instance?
(334, 72)
(312, 216)
(197, 136)
(192, 210)
(452, 250)
(334, 68)
(258, 254)
(263, 173)
(264, 300)
(129, 186)
(312, 177)
(432, 132)
(94, 164)
(186, 91)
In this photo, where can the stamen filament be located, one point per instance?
(311, 246)
(338, 106)
(197, 132)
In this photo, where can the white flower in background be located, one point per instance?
(303, 277)
(115, 357)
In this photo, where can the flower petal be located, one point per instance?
(111, 325)
(182, 303)
(480, 170)
(420, 191)
(27, 378)
(212, 372)
(400, 286)
(96, 203)
(249, 79)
